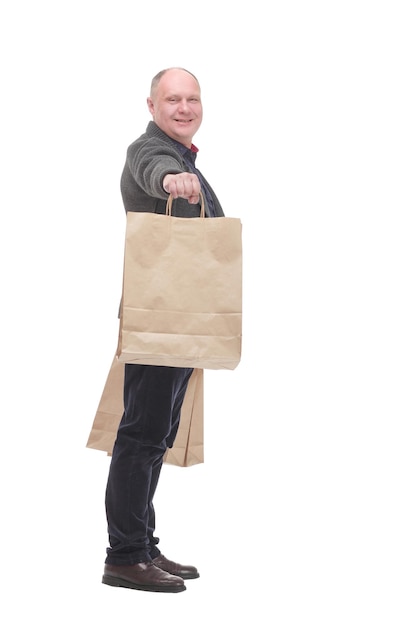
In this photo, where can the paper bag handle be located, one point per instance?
(170, 200)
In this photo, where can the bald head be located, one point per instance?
(156, 79)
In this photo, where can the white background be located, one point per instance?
(304, 511)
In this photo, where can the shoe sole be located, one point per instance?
(188, 576)
(119, 582)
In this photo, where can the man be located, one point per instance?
(159, 163)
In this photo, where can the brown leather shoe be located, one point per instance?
(142, 576)
(184, 571)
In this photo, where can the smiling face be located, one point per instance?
(175, 105)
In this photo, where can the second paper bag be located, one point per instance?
(182, 291)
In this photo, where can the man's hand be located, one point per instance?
(184, 185)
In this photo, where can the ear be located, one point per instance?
(150, 105)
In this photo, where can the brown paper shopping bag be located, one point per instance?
(182, 291)
(109, 411)
(188, 448)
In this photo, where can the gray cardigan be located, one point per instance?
(149, 159)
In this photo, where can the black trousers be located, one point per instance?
(153, 397)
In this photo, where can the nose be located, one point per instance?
(183, 105)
